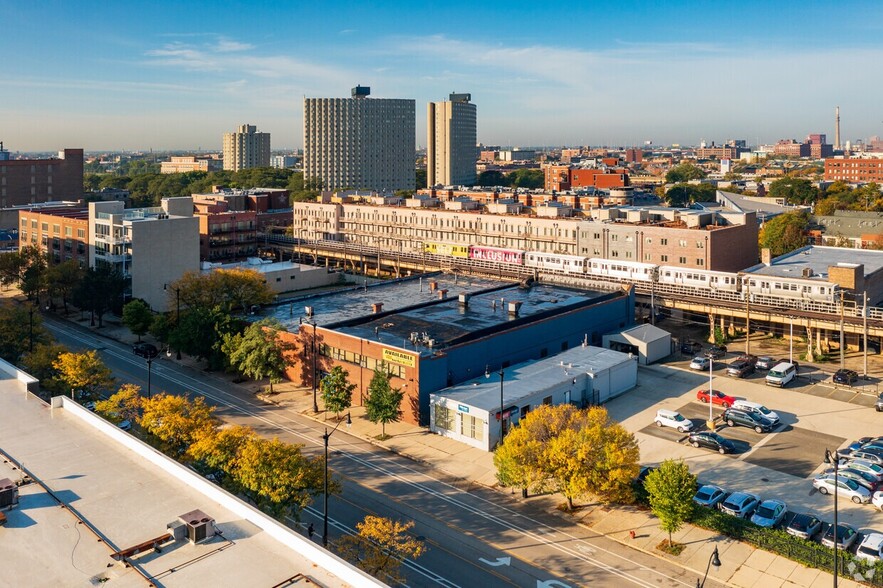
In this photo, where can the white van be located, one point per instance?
(781, 374)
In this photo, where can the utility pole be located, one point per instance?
(842, 350)
(747, 322)
(865, 334)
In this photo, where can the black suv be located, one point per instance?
(690, 347)
(145, 350)
(848, 377)
(733, 417)
(711, 441)
(716, 351)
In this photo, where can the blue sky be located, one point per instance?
(176, 75)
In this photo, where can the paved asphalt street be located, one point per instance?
(476, 536)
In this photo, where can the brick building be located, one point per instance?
(853, 171)
(27, 181)
(60, 232)
(791, 148)
(561, 178)
(191, 163)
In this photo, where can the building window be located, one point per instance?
(663, 258)
(700, 262)
(444, 417)
(682, 260)
(663, 241)
(547, 400)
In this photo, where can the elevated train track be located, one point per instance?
(814, 320)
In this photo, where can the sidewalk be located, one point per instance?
(743, 566)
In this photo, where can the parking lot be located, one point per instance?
(780, 464)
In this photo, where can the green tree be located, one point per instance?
(176, 421)
(684, 173)
(62, 279)
(225, 289)
(32, 279)
(380, 547)
(217, 452)
(20, 329)
(794, 190)
(337, 392)
(259, 352)
(40, 364)
(685, 194)
(100, 291)
(784, 233)
(527, 178)
(670, 489)
(138, 317)
(420, 174)
(83, 371)
(383, 404)
(491, 178)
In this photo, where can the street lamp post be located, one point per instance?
(325, 438)
(149, 364)
(308, 321)
(487, 374)
(832, 459)
(710, 423)
(715, 561)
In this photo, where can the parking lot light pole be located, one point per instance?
(308, 321)
(715, 561)
(832, 458)
(325, 437)
(710, 423)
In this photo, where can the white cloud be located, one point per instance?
(225, 45)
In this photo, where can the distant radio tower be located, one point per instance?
(837, 128)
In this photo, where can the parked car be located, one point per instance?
(711, 440)
(869, 453)
(867, 467)
(734, 416)
(877, 499)
(791, 361)
(848, 377)
(846, 488)
(643, 473)
(125, 425)
(758, 408)
(710, 496)
(846, 536)
(804, 526)
(673, 419)
(717, 397)
(690, 347)
(740, 367)
(861, 478)
(871, 548)
(145, 350)
(700, 363)
(765, 362)
(769, 513)
(878, 406)
(716, 351)
(740, 504)
(89, 405)
(781, 374)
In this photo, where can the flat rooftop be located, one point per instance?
(356, 302)
(448, 322)
(526, 379)
(819, 259)
(90, 472)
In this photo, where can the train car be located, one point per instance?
(627, 270)
(446, 249)
(510, 256)
(792, 288)
(571, 264)
(700, 278)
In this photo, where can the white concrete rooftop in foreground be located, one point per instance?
(127, 492)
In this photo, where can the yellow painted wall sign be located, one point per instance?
(405, 359)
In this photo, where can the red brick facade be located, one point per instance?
(27, 181)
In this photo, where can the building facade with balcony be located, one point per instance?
(151, 247)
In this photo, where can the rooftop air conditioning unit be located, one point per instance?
(8, 493)
(199, 525)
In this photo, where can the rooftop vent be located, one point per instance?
(376, 307)
(8, 493)
(308, 310)
(514, 307)
(464, 299)
(807, 272)
(199, 525)
(443, 293)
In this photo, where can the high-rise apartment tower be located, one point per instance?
(246, 148)
(360, 142)
(451, 142)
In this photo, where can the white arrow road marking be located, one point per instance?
(500, 561)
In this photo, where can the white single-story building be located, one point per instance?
(649, 343)
(470, 412)
(283, 276)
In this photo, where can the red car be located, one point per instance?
(717, 397)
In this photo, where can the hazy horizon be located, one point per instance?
(168, 77)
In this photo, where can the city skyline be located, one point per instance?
(167, 77)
